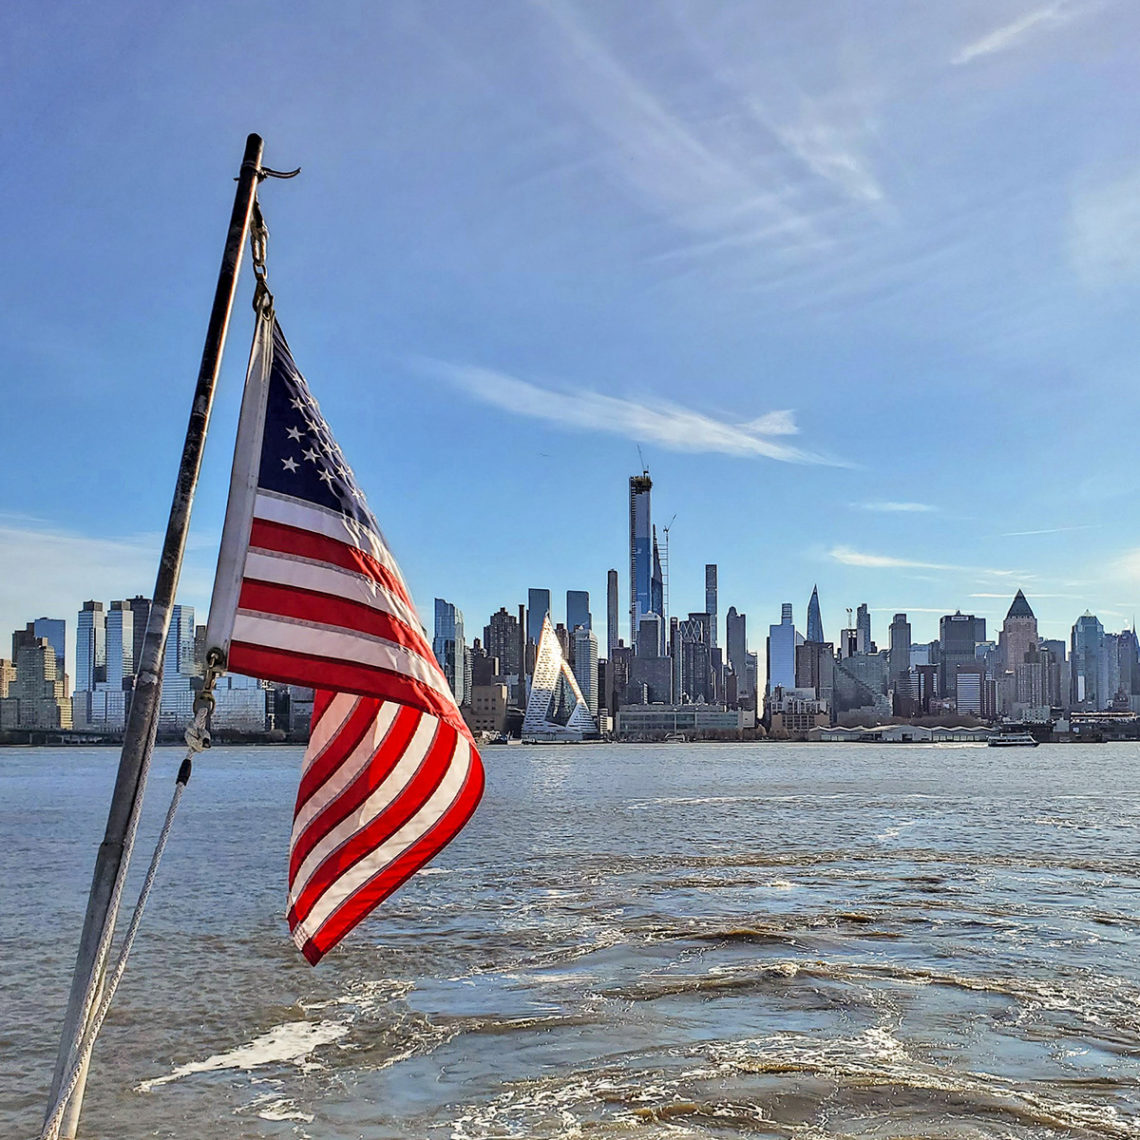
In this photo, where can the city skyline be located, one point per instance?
(862, 291)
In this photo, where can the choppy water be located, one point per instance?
(803, 941)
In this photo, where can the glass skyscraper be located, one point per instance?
(449, 647)
(640, 552)
(578, 610)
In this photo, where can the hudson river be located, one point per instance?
(811, 941)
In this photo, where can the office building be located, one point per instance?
(90, 646)
(1088, 671)
(55, 631)
(578, 610)
(537, 611)
(449, 647)
(120, 641)
(586, 666)
(736, 638)
(36, 689)
(864, 644)
(1018, 634)
(958, 634)
(814, 620)
(613, 634)
(782, 641)
(899, 659)
(641, 551)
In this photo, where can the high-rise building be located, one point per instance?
(864, 644)
(736, 636)
(814, 620)
(120, 645)
(692, 660)
(449, 647)
(782, 640)
(641, 546)
(958, 634)
(140, 611)
(711, 599)
(899, 652)
(176, 702)
(1018, 634)
(613, 635)
(36, 693)
(90, 646)
(586, 665)
(537, 611)
(501, 640)
(578, 612)
(55, 631)
(1088, 676)
(179, 656)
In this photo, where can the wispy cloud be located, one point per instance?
(669, 425)
(1104, 230)
(1126, 566)
(890, 507)
(1008, 35)
(1047, 530)
(850, 557)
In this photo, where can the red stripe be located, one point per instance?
(331, 609)
(322, 698)
(363, 842)
(278, 537)
(343, 740)
(293, 668)
(384, 758)
(396, 873)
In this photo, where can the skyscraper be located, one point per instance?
(120, 645)
(55, 630)
(612, 634)
(958, 634)
(814, 620)
(449, 647)
(578, 612)
(140, 609)
(586, 666)
(501, 639)
(711, 599)
(90, 646)
(1088, 673)
(640, 552)
(537, 611)
(735, 634)
(782, 651)
(863, 629)
(1018, 633)
(899, 654)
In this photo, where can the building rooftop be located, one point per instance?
(1020, 607)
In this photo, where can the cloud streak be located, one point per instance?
(668, 425)
(850, 557)
(1008, 35)
(892, 507)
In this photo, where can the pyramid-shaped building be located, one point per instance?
(555, 710)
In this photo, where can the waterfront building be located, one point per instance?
(449, 647)
(537, 611)
(90, 646)
(686, 721)
(782, 641)
(815, 669)
(1018, 633)
(1088, 675)
(140, 615)
(736, 637)
(613, 634)
(120, 641)
(487, 710)
(711, 600)
(814, 620)
(556, 709)
(36, 689)
(578, 610)
(586, 666)
(501, 640)
(179, 683)
(241, 704)
(640, 552)
(692, 661)
(619, 666)
(958, 634)
(899, 659)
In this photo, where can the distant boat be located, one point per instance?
(1012, 740)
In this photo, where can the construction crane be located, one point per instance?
(665, 574)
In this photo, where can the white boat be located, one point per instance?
(1012, 740)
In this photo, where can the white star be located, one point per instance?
(326, 476)
(311, 455)
(357, 493)
(289, 464)
(293, 433)
(298, 403)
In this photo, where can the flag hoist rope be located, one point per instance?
(197, 740)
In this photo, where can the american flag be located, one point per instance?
(308, 593)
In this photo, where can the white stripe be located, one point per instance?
(292, 635)
(397, 780)
(341, 707)
(348, 769)
(288, 511)
(309, 574)
(436, 808)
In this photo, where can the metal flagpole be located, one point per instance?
(143, 717)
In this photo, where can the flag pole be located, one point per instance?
(142, 719)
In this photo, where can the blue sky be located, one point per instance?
(862, 280)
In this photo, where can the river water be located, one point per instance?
(804, 941)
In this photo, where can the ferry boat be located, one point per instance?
(1012, 740)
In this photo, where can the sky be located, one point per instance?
(861, 281)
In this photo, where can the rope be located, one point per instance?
(197, 739)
